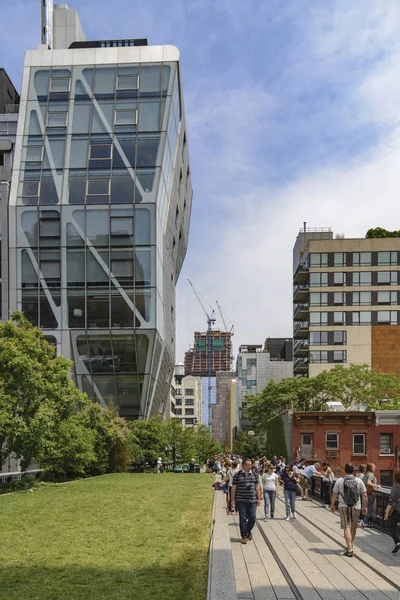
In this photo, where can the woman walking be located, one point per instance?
(392, 513)
(371, 484)
(270, 482)
(290, 485)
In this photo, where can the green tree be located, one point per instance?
(36, 391)
(205, 445)
(147, 440)
(250, 446)
(179, 440)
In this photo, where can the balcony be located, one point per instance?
(300, 329)
(300, 366)
(300, 311)
(301, 273)
(300, 293)
(300, 348)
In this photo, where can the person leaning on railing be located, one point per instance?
(392, 513)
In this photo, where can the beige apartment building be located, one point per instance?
(187, 397)
(346, 302)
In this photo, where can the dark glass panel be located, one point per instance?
(124, 353)
(48, 192)
(104, 81)
(97, 227)
(77, 187)
(128, 390)
(30, 306)
(76, 308)
(149, 115)
(121, 314)
(98, 307)
(150, 80)
(95, 273)
(146, 179)
(30, 225)
(100, 357)
(81, 119)
(76, 268)
(147, 150)
(122, 187)
(74, 240)
(106, 388)
(128, 149)
(143, 268)
(79, 152)
(47, 317)
(41, 82)
(34, 127)
(30, 278)
(142, 348)
(142, 301)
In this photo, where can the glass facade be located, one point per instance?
(99, 204)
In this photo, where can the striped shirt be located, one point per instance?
(245, 486)
(394, 499)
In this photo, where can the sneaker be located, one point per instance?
(250, 536)
(348, 553)
(294, 516)
(244, 540)
(272, 516)
(287, 519)
(396, 548)
(265, 519)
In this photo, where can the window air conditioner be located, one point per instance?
(386, 451)
(332, 453)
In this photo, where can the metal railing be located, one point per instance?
(300, 288)
(300, 325)
(321, 489)
(6, 478)
(300, 345)
(300, 307)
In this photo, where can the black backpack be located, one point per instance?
(351, 491)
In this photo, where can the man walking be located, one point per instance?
(246, 496)
(352, 493)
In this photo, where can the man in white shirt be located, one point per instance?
(352, 495)
(305, 478)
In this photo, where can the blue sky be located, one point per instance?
(293, 115)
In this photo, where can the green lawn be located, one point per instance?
(121, 536)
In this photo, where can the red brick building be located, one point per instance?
(346, 436)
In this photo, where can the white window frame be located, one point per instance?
(97, 180)
(58, 79)
(337, 441)
(55, 112)
(97, 145)
(126, 110)
(36, 195)
(364, 443)
(381, 453)
(126, 75)
(36, 160)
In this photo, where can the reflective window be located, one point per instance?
(147, 150)
(77, 187)
(125, 116)
(122, 316)
(318, 318)
(149, 115)
(143, 268)
(318, 356)
(339, 356)
(57, 119)
(339, 318)
(59, 84)
(318, 279)
(339, 279)
(319, 338)
(361, 298)
(150, 79)
(387, 277)
(98, 307)
(143, 226)
(34, 153)
(387, 297)
(339, 259)
(387, 258)
(100, 151)
(359, 443)
(122, 187)
(339, 298)
(362, 278)
(340, 337)
(75, 268)
(104, 80)
(98, 187)
(386, 316)
(319, 299)
(362, 259)
(79, 152)
(362, 318)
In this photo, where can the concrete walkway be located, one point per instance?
(299, 559)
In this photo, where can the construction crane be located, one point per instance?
(223, 319)
(210, 322)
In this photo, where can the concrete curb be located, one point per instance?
(221, 576)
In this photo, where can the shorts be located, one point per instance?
(349, 517)
(304, 482)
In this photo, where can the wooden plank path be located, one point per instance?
(303, 558)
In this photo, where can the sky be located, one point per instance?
(292, 111)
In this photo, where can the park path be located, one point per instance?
(300, 559)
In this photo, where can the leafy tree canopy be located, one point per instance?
(351, 385)
(379, 232)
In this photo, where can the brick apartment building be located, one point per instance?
(221, 353)
(359, 437)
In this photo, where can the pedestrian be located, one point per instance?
(159, 465)
(270, 481)
(328, 473)
(290, 481)
(392, 513)
(305, 478)
(228, 485)
(295, 467)
(352, 495)
(360, 471)
(371, 484)
(246, 496)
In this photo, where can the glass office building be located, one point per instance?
(99, 214)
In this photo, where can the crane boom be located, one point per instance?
(199, 299)
(222, 316)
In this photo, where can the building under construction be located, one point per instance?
(220, 355)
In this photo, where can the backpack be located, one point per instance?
(351, 491)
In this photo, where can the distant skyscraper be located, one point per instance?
(99, 211)
(219, 412)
